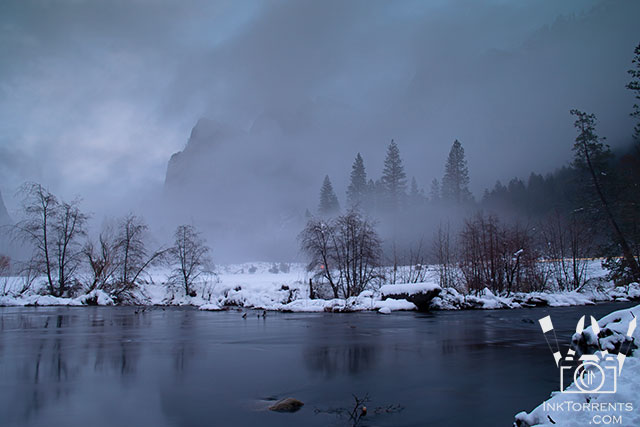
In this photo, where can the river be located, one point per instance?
(125, 366)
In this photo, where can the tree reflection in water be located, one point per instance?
(338, 360)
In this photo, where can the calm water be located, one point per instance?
(181, 367)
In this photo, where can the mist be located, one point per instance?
(261, 100)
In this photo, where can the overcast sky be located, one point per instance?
(96, 96)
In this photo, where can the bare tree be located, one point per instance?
(567, 244)
(444, 251)
(40, 207)
(102, 259)
(28, 272)
(415, 269)
(480, 254)
(190, 255)
(69, 226)
(317, 241)
(502, 257)
(132, 254)
(53, 229)
(5, 268)
(345, 252)
(519, 258)
(357, 252)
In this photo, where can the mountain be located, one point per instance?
(239, 186)
(4, 215)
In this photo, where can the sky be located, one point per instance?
(95, 97)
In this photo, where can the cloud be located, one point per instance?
(96, 96)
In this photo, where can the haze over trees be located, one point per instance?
(587, 208)
(329, 204)
(455, 182)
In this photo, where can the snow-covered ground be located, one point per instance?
(285, 287)
(579, 409)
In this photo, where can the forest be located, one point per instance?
(537, 235)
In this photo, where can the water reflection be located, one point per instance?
(43, 368)
(181, 367)
(338, 360)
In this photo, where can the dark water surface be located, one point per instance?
(118, 366)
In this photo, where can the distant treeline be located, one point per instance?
(596, 197)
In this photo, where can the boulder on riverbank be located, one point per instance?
(286, 405)
(420, 294)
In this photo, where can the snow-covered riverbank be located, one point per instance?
(617, 401)
(285, 287)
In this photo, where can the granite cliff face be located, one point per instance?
(4, 215)
(239, 185)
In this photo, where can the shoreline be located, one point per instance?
(448, 300)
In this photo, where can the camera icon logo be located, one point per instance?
(590, 373)
(593, 375)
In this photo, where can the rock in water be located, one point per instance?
(286, 405)
(384, 310)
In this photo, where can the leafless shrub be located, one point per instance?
(345, 252)
(28, 272)
(413, 263)
(190, 254)
(209, 283)
(567, 244)
(103, 259)
(498, 256)
(444, 253)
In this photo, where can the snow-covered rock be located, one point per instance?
(96, 297)
(592, 408)
(420, 294)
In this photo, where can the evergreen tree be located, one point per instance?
(592, 155)
(357, 189)
(434, 192)
(373, 194)
(416, 195)
(329, 204)
(394, 179)
(414, 191)
(634, 85)
(455, 183)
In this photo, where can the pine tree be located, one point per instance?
(591, 155)
(634, 85)
(455, 183)
(373, 194)
(328, 200)
(394, 179)
(357, 189)
(414, 191)
(416, 195)
(434, 192)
